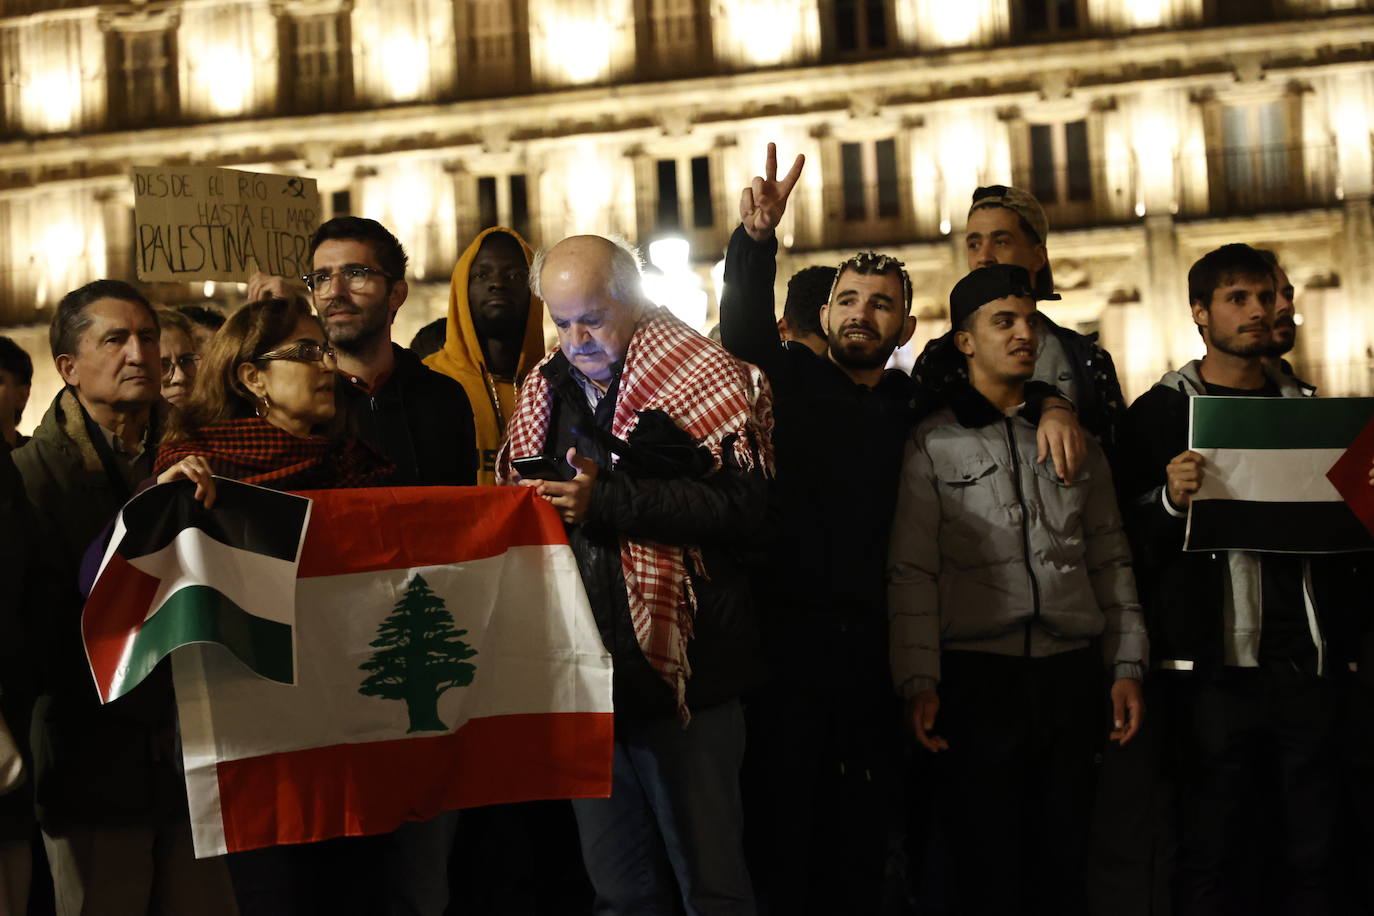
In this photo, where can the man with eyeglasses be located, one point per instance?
(417, 418)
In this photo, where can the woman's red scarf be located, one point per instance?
(254, 451)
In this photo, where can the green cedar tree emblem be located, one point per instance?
(418, 657)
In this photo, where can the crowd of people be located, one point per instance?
(883, 643)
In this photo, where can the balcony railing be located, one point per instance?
(1233, 181)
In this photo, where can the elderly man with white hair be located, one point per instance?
(653, 443)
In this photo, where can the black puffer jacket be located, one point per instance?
(420, 421)
(716, 514)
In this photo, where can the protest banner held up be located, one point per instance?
(445, 655)
(1266, 481)
(197, 223)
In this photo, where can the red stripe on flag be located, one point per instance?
(362, 530)
(363, 789)
(123, 595)
(1350, 476)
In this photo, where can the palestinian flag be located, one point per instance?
(446, 657)
(176, 574)
(1265, 484)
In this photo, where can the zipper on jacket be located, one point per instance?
(1025, 532)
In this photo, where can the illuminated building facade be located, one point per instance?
(1153, 130)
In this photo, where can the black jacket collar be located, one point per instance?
(971, 409)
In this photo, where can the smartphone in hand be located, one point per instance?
(541, 467)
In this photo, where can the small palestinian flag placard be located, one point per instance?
(1265, 484)
(176, 573)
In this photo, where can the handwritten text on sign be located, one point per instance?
(199, 223)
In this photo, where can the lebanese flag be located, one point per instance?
(446, 657)
(1275, 473)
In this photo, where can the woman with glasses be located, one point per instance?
(262, 410)
(179, 358)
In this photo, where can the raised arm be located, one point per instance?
(748, 328)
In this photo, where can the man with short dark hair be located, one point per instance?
(1001, 578)
(1284, 335)
(656, 532)
(110, 795)
(807, 293)
(416, 418)
(1007, 225)
(419, 420)
(16, 379)
(1253, 645)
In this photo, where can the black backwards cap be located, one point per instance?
(987, 284)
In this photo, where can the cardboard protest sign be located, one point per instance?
(197, 223)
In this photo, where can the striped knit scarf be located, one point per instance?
(721, 403)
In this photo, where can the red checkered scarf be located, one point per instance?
(254, 451)
(712, 396)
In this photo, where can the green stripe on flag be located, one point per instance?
(1278, 422)
(198, 613)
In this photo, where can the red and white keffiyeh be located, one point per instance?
(711, 395)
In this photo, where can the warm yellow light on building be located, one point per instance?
(407, 59)
(52, 99)
(583, 51)
(69, 251)
(1146, 14)
(590, 189)
(773, 28)
(228, 74)
(953, 24)
(1154, 140)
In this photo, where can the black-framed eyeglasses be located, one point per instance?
(303, 351)
(355, 277)
(186, 362)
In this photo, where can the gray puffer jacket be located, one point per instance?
(990, 552)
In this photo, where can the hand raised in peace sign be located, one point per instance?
(762, 204)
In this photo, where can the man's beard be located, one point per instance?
(1232, 346)
(857, 359)
(360, 337)
(1278, 346)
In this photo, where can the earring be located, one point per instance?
(264, 405)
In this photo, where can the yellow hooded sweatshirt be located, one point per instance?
(461, 358)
